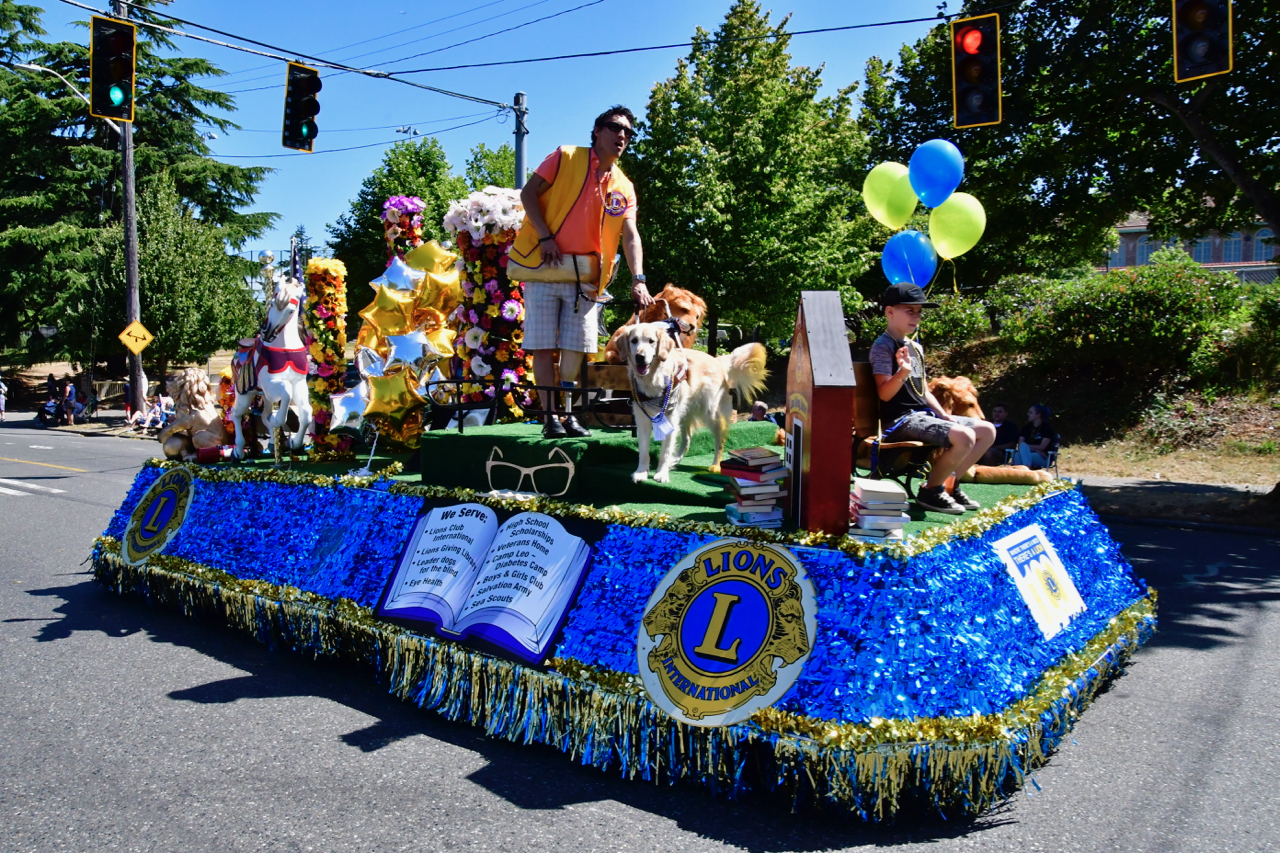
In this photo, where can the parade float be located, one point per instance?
(531, 588)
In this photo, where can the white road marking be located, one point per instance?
(32, 486)
(41, 447)
(4, 491)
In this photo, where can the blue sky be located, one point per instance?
(563, 96)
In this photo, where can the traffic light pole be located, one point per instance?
(133, 299)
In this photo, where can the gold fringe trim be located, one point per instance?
(971, 526)
(601, 718)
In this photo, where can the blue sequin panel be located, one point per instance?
(941, 634)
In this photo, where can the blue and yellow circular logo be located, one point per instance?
(158, 516)
(726, 632)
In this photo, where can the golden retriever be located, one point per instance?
(695, 386)
(675, 302)
(957, 396)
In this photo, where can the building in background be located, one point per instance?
(1248, 254)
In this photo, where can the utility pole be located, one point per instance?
(133, 301)
(521, 111)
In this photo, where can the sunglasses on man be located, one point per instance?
(618, 127)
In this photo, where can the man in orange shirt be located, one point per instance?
(565, 317)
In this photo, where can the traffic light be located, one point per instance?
(975, 71)
(301, 107)
(1201, 39)
(112, 63)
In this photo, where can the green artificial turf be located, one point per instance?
(604, 465)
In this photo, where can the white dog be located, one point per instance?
(677, 390)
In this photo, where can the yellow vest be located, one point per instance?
(572, 180)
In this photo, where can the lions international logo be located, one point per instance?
(615, 203)
(158, 516)
(726, 632)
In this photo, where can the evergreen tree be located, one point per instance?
(61, 188)
(195, 296)
(746, 178)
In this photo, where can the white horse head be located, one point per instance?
(284, 314)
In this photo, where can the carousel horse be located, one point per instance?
(275, 363)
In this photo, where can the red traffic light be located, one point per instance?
(975, 71)
(970, 40)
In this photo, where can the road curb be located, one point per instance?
(1144, 521)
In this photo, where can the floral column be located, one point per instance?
(490, 319)
(327, 323)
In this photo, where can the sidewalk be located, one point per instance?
(1168, 501)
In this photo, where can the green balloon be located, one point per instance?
(888, 195)
(956, 225)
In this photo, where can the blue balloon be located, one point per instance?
(936, 169)
(909, 256)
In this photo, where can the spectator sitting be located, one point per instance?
(1006, 435)
(154, 413)
(1038, 438)
(48, 414)
(81, 405)
(759, 411)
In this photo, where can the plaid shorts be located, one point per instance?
(551, 322)
(927, 427)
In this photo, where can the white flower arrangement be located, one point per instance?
(490, 210)
(480, 367)
(474, 337)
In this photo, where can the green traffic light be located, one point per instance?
(117, 94)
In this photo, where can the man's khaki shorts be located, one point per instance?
(551, 321)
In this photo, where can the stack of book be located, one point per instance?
(757, 482)
(878, 509)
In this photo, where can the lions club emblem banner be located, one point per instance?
(726, 632)
(1041, 578)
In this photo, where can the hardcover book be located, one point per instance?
(757, 475)
(509, 585)
(755, 456)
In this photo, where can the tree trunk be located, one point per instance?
(1264, 198)
(713, 332)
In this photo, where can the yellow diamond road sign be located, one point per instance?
(136, 337)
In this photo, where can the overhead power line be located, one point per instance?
(446, 47)
(674, 45)
(351, 148)
(375, 38)
(423, 122)
(283, 58)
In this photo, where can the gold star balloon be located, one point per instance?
(430, 257)
(390, 312)
(393, 397)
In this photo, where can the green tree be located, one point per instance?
(61, 188)
(491, 167)
(413, 167)
(195, 296)
(746, 178)
(1094, 128)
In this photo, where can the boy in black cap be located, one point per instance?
(910, 413)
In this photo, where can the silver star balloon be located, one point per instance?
(409, 350)
(399, 276)
(369, 363)
(348, 408)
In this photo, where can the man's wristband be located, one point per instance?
(545, 239)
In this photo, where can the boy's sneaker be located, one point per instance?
(937, 500)
(964, 500)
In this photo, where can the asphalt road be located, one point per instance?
(129, 728)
